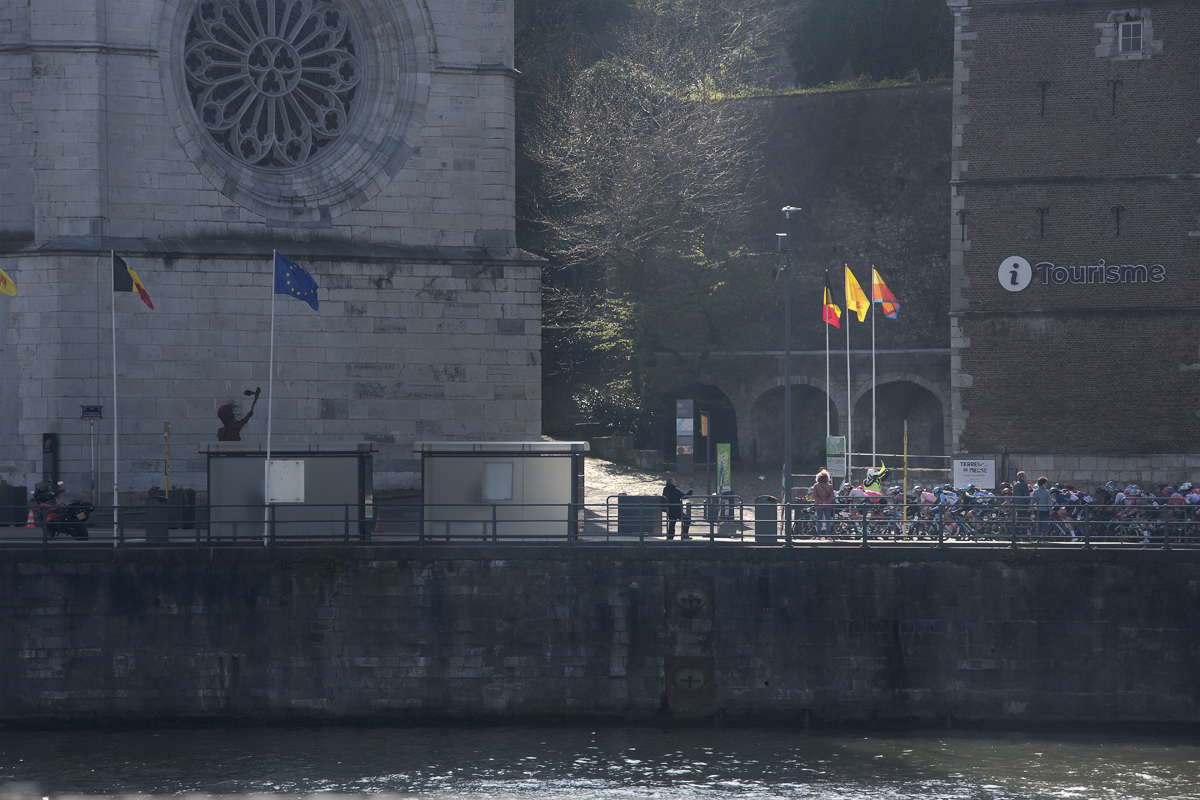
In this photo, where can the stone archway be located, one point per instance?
(808, 426)
(899, 398)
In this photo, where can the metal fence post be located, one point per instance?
(641, 523)
(346, 525)
(1167, 529)
(1087, 527)
(272, 507)
(713, 516)
(495, 532)
(421, 523)
(120, 527)
(789, 514)
(1012, 512)
(866, 510)
(942, 529)
(574, 514)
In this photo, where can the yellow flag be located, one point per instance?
(856, 299)
(6, 285)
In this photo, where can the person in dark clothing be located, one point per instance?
(675, 511)
(1021, 494)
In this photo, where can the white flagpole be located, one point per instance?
(849, 408)
(270, 388)
(113, 298)
(874, 449)
(828, 393)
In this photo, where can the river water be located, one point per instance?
(605, 763)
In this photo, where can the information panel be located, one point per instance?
(981, 474)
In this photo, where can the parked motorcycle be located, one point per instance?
(68, 519)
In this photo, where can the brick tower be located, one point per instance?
(1075, 191)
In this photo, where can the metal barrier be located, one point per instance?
(630, 520)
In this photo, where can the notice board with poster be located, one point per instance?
(835, 456)
(684, 435)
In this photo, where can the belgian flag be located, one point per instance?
(830, 312)
(126, 280)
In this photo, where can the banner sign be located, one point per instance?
(724, 469)
(1016, 273)
(835, 456)
(980, 473)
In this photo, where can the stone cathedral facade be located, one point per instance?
(370, 141)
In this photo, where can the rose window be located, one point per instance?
(272, 81)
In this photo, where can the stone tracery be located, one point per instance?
(272, 81)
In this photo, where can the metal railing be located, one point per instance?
(636, 520)
(996, 524)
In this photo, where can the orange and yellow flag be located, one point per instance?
(856, 298)
(6, 285)
(882, 295)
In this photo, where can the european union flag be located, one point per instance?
(290, 279)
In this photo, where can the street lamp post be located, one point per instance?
(786, 243)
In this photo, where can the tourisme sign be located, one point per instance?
(1016, 273)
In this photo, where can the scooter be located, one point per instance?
(65, 518)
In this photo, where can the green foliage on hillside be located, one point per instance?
(843, 39)
(638, 180)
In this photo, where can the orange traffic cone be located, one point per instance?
(378, 523)
(29, 523)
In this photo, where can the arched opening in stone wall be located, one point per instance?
(707, 398)
(808, 427)
(896, 402)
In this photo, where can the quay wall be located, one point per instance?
(799, 635)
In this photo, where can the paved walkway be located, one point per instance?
(604, 478)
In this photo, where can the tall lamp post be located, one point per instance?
(785, 244)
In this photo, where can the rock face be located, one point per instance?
(370, 142)
(910, 635)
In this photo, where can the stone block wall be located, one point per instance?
(399, 350)
(115, 155)
(391, 633)
(430, 316)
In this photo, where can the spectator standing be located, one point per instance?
(675, 513)
(1020, 501)
(823, 494)
(1043, 501)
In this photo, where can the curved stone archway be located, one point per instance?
(809, 403)
(900, 398)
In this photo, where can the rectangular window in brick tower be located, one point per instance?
(1131, 37)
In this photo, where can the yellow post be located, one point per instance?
(167, 460)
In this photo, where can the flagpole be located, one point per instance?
(116, 506)
(849, 408)
(874, 449)
(828, 393)
(270, 388)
